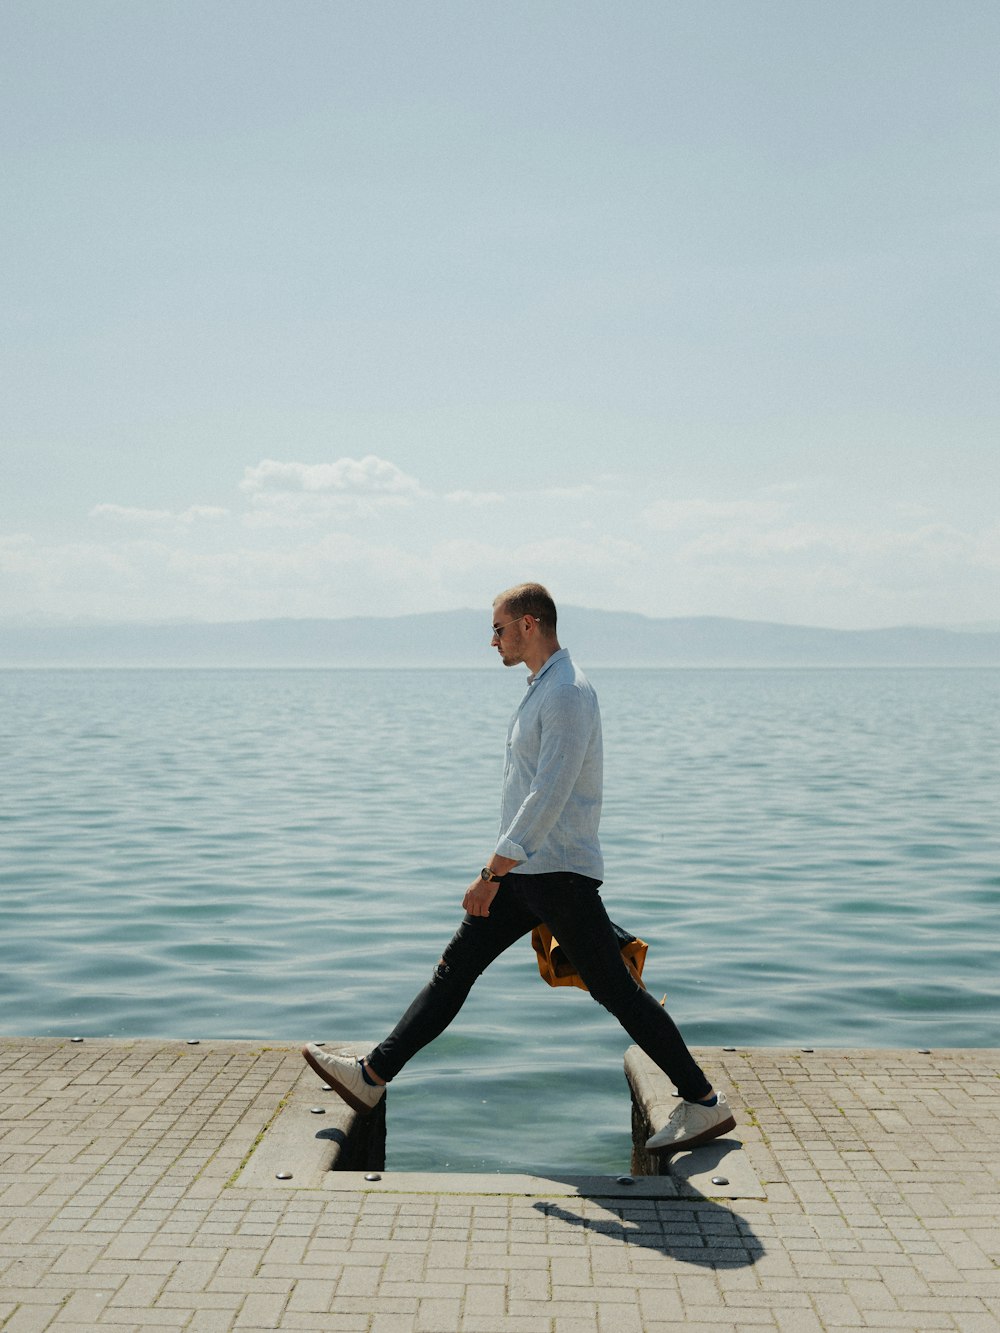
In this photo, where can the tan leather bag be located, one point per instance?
(555, 968)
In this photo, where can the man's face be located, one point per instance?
(508, 636)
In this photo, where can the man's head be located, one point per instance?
(524, 625)
(529, 599)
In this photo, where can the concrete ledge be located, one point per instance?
(720, 1169)
(314, 1134)
(502, 1185)
(315, 1141)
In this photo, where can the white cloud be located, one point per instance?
(988, 549)
(598, 572)
(71, 578)
(851, 575)
(935, 540)
(768, 556)
(676, 515)
(571, 552)
(337, 575)
(157, 517)
(128, 514)
(198, 512)
(585, 491)
(14, 546)
(475, 499)
(481, 499)
(298, 495)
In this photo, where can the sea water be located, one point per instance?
(812, 856)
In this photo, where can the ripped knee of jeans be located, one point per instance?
(441, 971)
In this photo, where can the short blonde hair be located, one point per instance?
(529, 599)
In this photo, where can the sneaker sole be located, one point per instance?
(668, 1149)
(345, 1093)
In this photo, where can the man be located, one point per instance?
(546, 868)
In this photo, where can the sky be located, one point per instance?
(316, 308)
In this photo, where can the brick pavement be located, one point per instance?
(881, 1170)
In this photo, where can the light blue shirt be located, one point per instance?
(553, 775)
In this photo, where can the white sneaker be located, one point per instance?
(343, 1073)
(690, 1124)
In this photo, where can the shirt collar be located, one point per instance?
(562, 652)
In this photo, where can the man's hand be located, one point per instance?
(478, 897)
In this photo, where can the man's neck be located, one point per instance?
(540, 654)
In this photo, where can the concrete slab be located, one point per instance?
(304, 1145)
(118, 1208)
(501, 1185)
(312, 1133)
(717, 1170)
(303, 1141)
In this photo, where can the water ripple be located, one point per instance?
(812, 857)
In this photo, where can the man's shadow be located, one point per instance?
(692, 1231)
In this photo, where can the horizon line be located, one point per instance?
(72, 623)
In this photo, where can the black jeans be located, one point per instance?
(570, 905)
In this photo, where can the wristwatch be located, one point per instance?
(489, 877)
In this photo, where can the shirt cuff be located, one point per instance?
(512, 850)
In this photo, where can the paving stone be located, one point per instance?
(115, 1211)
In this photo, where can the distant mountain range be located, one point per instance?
(462, 639)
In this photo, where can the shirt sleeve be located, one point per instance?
(567, 727)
